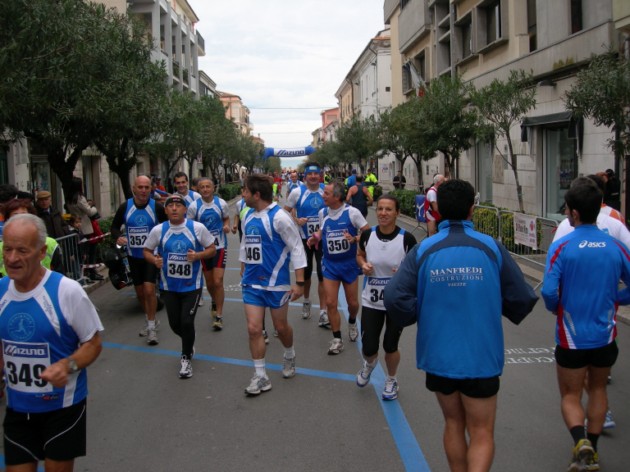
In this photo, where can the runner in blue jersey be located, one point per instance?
(293, 183)
(271, 242)
(456, 285)
(180, 180)
(50, 334)
(181, 245)
(139, 215)
(338, 233)
(581, 288)
(214, 214)
(304, 204)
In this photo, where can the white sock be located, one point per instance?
(307, 300)
(289, 352)
(259, 365)
(151, 324)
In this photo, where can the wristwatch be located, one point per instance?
(72, 366)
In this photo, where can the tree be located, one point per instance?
(501, 106)
(602, 93)
(58, 76)
(402, 133)
(250, 151)
(219, 142)
(328, 155)
(358, 141)
(448, 124)
(138, 89)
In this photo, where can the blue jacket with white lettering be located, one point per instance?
(581, 286)
(456, 284)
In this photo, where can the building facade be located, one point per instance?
(483, 40)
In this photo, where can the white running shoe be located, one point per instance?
(353, 332)
(306, 310)
(324, 322)
(363, 376)
(152, 338)
(336, 346)
(288, 367)
(258, 385)
(390, 392)
(145, 330)
(185, 372)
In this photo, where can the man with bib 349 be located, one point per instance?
(50, 334)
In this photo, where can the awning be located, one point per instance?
(576, 125)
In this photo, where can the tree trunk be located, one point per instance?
(513, 163)
(120, 162)
(64, 168)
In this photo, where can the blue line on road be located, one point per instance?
(406, 442)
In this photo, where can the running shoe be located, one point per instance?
(390, 392)
(152, 338)
(217, 323)
(145, 330)
(324, 322)
(258, 385)
(363, 377)
(353, 332)
(288, 367)
(186, 371)
(336, 346)
(609, 422)
(275, 333)
(593, 465)
(583, 454)
(200, 302)
(265, 336)
(306, 310)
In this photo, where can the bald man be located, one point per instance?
(139, 215)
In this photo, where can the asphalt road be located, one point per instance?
(142, 417)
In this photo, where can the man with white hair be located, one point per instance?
(50, 334)
(431, 205)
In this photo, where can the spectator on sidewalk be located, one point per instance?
(55, 225)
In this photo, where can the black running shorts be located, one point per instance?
(58, 435)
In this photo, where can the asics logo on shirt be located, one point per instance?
(590, 244)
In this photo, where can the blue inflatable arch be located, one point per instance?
(292, 152)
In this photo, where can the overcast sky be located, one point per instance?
(284, 54)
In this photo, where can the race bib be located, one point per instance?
(376, 289)
(336, 242)
(136, 237)
(24, 364)
(312, 225)
(253, 249)
(177, 267)
(216, 236)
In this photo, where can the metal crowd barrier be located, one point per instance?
(500, 225)
(72, 256)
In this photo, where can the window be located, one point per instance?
(576, 16)
(531, 25)
(490, 25)
(466, 39)
(421, 66)
(493, 22)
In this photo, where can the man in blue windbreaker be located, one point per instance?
(456, 285)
